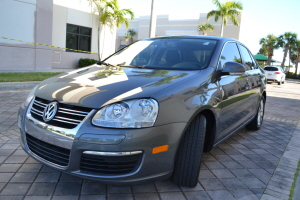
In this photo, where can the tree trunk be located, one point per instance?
(296, 71)
(204, 33)
(270, 54)
(286, 49)
(99, 39)
(222, 27)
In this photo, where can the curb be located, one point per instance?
(18, 85)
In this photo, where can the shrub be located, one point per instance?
(83, 62)
(292, 75)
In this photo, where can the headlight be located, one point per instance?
(30, 96)
(136, 113)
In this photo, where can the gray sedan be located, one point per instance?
(147, 112)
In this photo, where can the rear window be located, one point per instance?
(271, 69)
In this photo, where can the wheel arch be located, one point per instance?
(210, 127)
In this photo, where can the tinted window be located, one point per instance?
(78, 38)
(230, 53)
(271, 69)
(249, 63)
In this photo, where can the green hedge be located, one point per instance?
(292, 75)
(83, 62)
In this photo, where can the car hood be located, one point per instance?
(96, 85)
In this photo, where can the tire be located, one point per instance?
(256, 123)
(188, 160)
(279, 82)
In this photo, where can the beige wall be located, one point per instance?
(81, 13)
(30, 21)
(45, 21)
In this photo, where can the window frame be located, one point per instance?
(78, 34)
(219, 61)
(251, 56)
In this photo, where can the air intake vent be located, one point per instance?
(110, 165)
(49, 152)
(67, 116)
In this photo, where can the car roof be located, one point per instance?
(223, 39)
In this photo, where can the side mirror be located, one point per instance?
(233, 68)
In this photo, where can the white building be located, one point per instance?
(60, 23)
(167, 27)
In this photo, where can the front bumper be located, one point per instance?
(151, 167)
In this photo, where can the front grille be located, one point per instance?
(67, 116)
(49, 152)
(110, 165)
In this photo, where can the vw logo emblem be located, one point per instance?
(50, 111)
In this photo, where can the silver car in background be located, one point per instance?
(146, 112)
(275, 74)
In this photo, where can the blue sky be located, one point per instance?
(259, 17)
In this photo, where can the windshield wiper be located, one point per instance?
(133, 66)
(106, 64)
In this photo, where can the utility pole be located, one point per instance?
(152, 20)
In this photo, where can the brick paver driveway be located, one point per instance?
(249, 165)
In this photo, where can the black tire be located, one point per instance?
(188, 161)
(256, 123)
(279, 82)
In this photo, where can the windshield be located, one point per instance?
(173, 53)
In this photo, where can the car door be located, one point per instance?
(253, 75)
(233, 90)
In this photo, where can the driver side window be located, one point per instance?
(230, 53)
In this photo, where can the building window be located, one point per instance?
(78, 38)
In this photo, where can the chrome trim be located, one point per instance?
(74, 111)
(39, 105)
(44, 160)
(74, 120)
(70, 133)
(35, 110)
(64, 121)
(70, 113)
(37, 113)
(112, 153)
(38, 102)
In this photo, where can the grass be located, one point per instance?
(26, 76)
(294, 183)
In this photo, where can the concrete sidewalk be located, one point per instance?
(249, 165)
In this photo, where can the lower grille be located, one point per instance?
(110, 165)
(49, 152)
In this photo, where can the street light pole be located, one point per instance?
(152, 20)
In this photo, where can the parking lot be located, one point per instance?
(249, 165)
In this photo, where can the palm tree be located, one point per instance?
(115, 15)
(295, 55)
(129, 35)
(287, 39)
(229, 9)
(205, 27)
(110, 14)
(263, 50)
(270, 43)
(100, 9)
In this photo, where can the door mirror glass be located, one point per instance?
(233, 68)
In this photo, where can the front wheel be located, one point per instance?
(256, 123)
(188, 161)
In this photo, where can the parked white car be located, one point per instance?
(275, 74)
